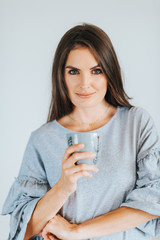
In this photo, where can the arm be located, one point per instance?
(45, 210)
(53, 200)
(119, 220)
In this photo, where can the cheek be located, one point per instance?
(70, 85)
(101, 84)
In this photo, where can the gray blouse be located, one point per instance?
(129, 175)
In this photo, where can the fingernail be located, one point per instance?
(93, 154)
(81, 144)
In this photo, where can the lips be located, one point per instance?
(85, 95)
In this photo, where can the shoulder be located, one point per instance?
(138, 122)
(136, 118)
(138, 114)
(44, 132)
(45, 128)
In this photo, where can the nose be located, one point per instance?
(85, 81)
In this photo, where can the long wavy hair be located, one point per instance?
(98, 42)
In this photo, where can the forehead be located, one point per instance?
(81, 55)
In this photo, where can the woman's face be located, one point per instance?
(84, 78)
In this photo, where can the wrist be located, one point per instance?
(75, 232)
(62, 190)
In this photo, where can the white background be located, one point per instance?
(29, 33)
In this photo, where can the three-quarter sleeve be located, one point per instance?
(26, 191)
(146, 194)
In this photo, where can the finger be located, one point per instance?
(45, 233)
(45, 237)
(72, 149)
(80, 174)
(51, 237)
(81, 167)
(80, 155)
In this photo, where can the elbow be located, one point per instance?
(29, 233)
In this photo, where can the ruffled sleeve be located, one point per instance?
(146, 194)
(26, 191)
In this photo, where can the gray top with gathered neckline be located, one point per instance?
(129, 175)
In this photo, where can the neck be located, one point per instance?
(89, 115)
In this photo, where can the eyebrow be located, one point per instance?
(79, 69)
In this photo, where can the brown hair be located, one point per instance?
(97, 41)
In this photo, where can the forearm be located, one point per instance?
(46, 208)
(119, 220)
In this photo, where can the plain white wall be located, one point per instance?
(30, 31)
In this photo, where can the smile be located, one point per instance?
(85, 95)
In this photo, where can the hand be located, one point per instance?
(59, 228)
(71, 172)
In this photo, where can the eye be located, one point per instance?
(97, 71)
(73, 71)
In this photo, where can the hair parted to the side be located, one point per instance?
(98, 42)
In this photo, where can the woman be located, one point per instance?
(119, 198)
